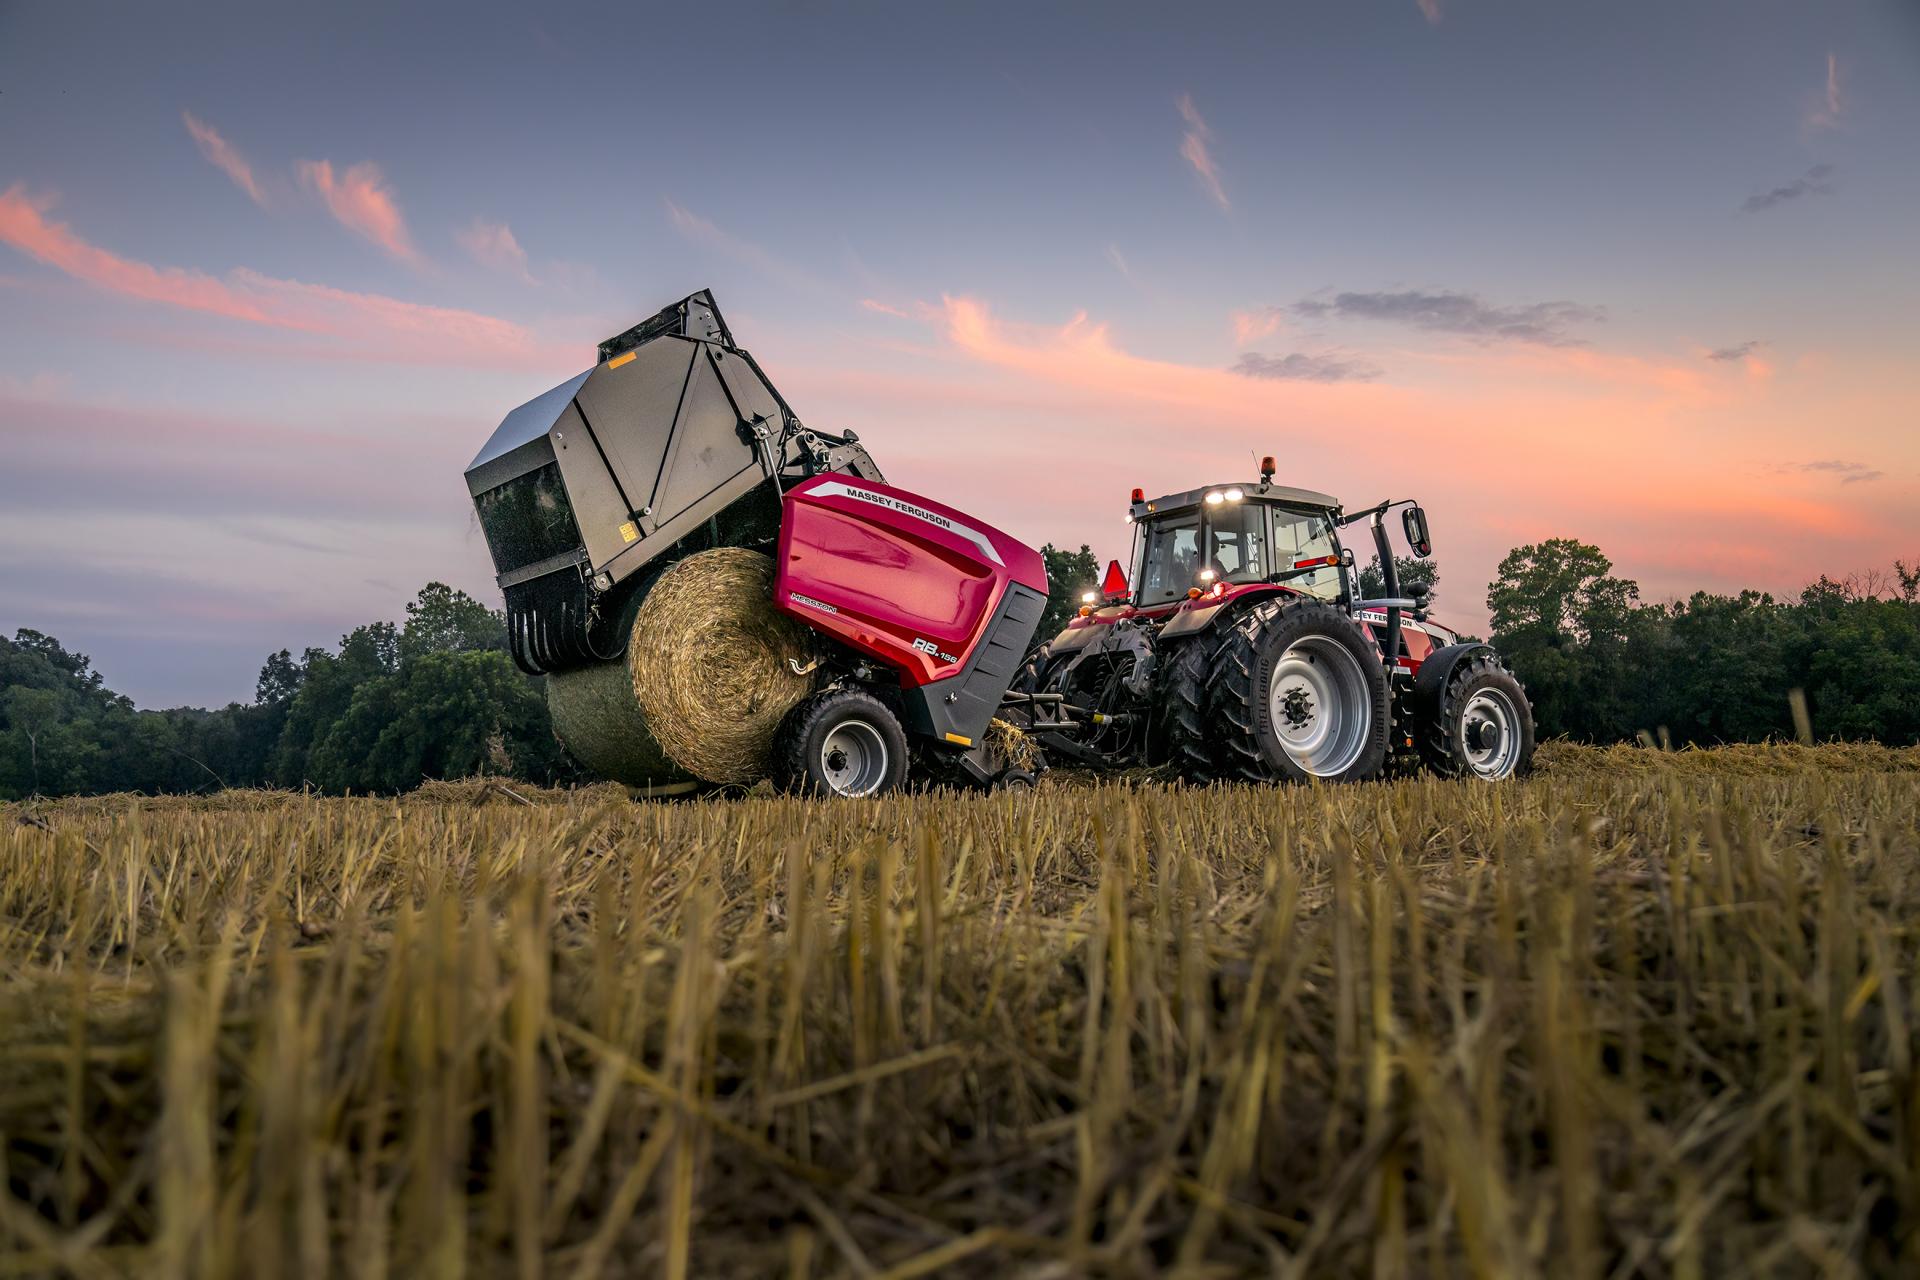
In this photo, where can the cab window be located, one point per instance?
(1299, 535)
(1172, 560)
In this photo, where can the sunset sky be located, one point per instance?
(1643, 274)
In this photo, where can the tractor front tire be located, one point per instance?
(840, 742)
(1482, 724)
(1296, 693)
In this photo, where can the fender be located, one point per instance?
(1195, 616)
(1438, 668)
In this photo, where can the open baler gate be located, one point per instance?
(674, 443)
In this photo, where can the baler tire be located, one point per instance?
(1480, 686)
(1247, 744)
(804, 748)
(1183, 710)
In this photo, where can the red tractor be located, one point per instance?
(1243, 653)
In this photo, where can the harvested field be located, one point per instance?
(1642, 1014)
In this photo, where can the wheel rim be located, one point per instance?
(1490, 734)
(1320, 706)
(854, 758)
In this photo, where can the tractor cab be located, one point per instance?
(1200, 549)
(1206, 544)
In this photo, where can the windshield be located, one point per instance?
(1300, 535)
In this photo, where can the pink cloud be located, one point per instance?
(1627, 450)
(1430, 9)
(1251, 326)
(492, 244)
(360, 201)
(1826, 111)
(874, 304)
(434, 334)
(223, 156)
(1193, 146)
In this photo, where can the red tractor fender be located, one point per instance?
(1192, 617)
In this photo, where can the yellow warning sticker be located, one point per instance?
(963, 741)
(629, 532)
(617, 361)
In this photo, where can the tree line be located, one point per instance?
(437, 696)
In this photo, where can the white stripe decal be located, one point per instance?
(837, 488)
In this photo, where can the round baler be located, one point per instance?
(714, 591)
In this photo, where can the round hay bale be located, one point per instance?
(710, 661)
(597, 720)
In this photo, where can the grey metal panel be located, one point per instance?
(529, 422)
(708, 446)
(671, 531)
(597, 508)
(494, 472)
(631, 408)
(749, 390)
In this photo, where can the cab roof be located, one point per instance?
(1255, 492)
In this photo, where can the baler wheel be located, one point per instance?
(840, 742)
(1297, 692)
(1482, 726)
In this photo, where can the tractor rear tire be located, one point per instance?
(1180, 707)
(1296, 693)
(1482, 726)
(840, 742)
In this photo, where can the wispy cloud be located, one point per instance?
(1848, 472)
(1826, 110)
(703, 231)
(432, 334)
(1251, 326)
(1302, 367)
(1547, 323)
(1430, 9)
(1119, 261)
(492, 244)
(224, 156)
(359, 200)
(1745, 354)
(875, 305)
(1194, 147)
(1811, 183)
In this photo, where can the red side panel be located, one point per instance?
(906, 580)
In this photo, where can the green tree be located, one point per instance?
(443, 620)
(1725, 673)
(1412, 571)
(1070, 574)
(1568, 627)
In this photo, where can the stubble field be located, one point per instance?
(1641, 1014)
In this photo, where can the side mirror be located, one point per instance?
(1414, 521)
(1113, 587)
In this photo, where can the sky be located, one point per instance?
(1644, 274)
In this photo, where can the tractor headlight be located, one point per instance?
(1234, 495)
(1215, 498)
